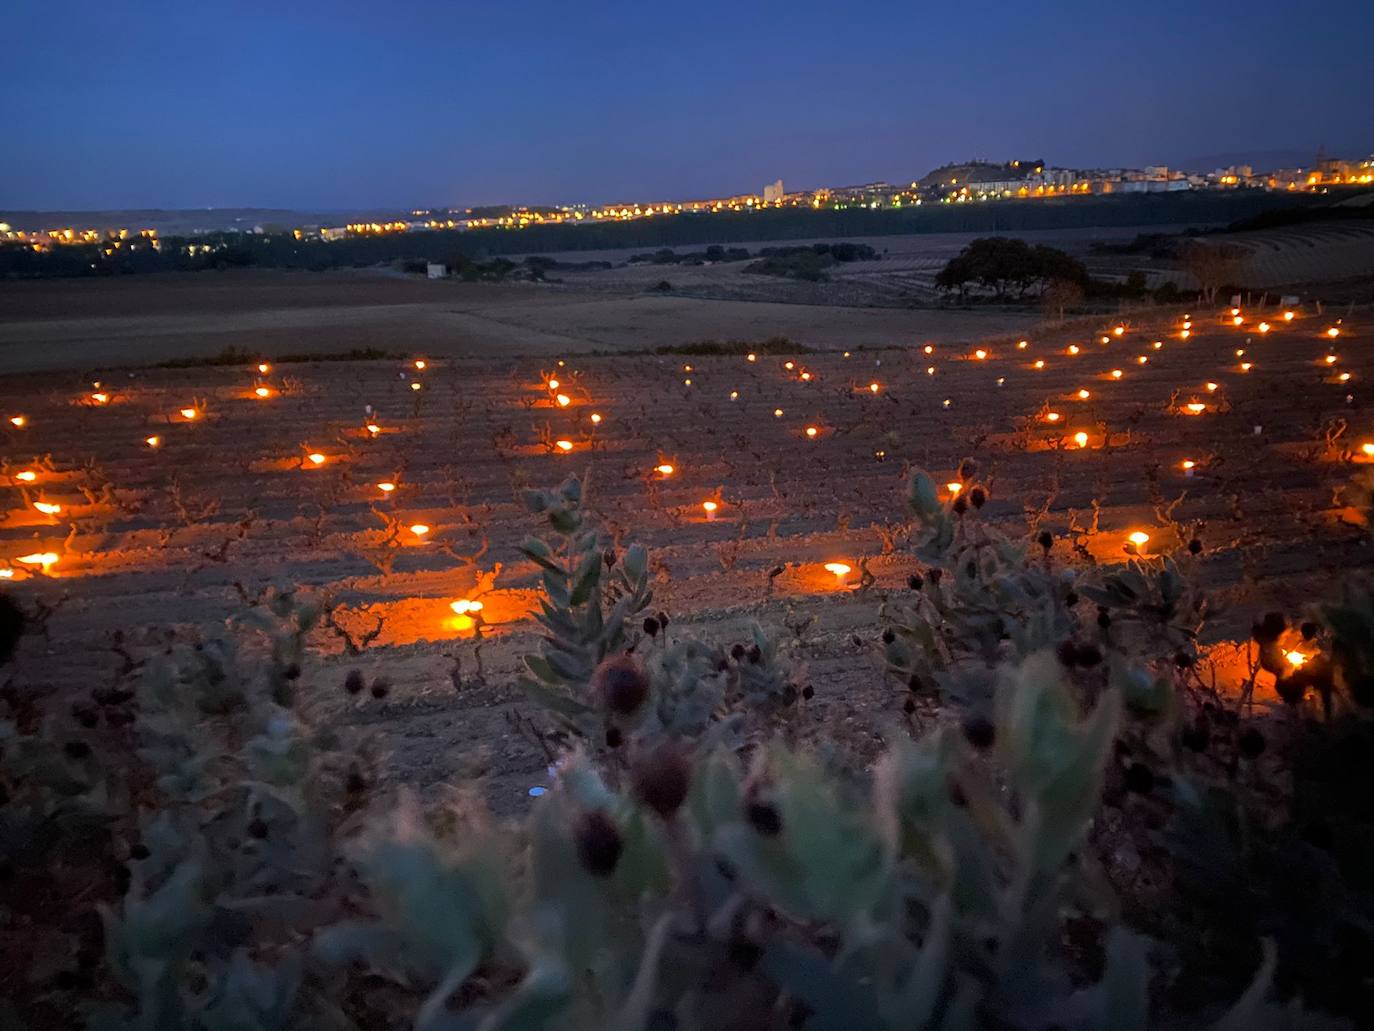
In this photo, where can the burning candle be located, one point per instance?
(1051, 416)
(190, 414)
(100, 397)
(752, 357)
(40, 558)
(664, 470)
(27, 475)
(1296, 659)
(1083, 394)
(1288, 316)
(264, 368)
(1138, 540)
(777, 413)
(709, 507)
(1119, 330)
(153, 441)
(18, 421)
(1187, 465)
(1040, 363)
(563, 400)
(1021, 345)
(315, 458)
(980, 354)
(928, 349)
(596, 418)
(47, 507)
(262, 392)
(1195, 408)
(553, 384)
(419, 529)
(789, 366)
(563, 445)
(873, 388)
(1117, 374)
(1211, 387)
(1333, 332)
(839, 569)
(954, 487)
(420, 363)
(1073, 349)
(373, 429)
(811, 432)
(414, 385)
(1081, 439)
(1263, 327)
(386, 486)
(1142, 359)
(1330, 359)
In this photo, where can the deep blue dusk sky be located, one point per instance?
(314, 104)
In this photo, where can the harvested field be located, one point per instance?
(229, 501)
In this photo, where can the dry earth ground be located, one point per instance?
(173, 538)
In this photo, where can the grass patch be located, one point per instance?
(242, 356)
(773, 345)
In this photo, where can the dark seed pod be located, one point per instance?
(614, 738)
(139, 851)
(353, 683)
(663, 620)
(755, 655)
(808, 692)
(1251, 743)
(257, 828)
(598, 843)
(909, 706)
(1045, 540)
(608, 557)
(292, 672)
(650, 626)
(960, 505)
(76, 749)
(1089, 655)
(737, 651)
(661, 779)
(764, 818)
(1071, 599)
(1291, 689)
(1309, 630)
(380, 688)
(888, 637)
(980, 732)
(978, 497)
(1139, 778)
(934, 576)
(619, 686)
(355, 783)
(913, 683)
(915, 582)
(789, 695)
(1268, 629)
(1104, 618)
(1195, 547)
(1067, 653)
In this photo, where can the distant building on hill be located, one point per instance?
(773, 192)
(436, 270)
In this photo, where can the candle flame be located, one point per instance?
(419, 529)
(596, 419)
(1083, 395)
(873, 388)
(386, 486)
(1139, 538)
(1288, 316)
(1117, 374)
(463, 606)
(189, 414)
(954, 487)
(1333, 332)
(1296, 659)
(1119, 330)
(1040, 363)
(811, 431)
(1080, 438)
(420, 363)
(414, 386)
(838, 568)
(980, 354)
(100, 397)
(709, 506)
(28, 476)
(262, 392)
(47, 507)
(563, 400)
(315, 458)
(1073, 349)
(665, 469)
(1051, 416)
(1195, 407)
(563, 445)
(264, 368)
(553, 384)
(18, 420)
(39, 558)
(153, 441)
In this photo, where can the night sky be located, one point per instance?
(326, 105)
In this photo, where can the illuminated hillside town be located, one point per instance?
(975, 181)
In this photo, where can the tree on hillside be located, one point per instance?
(1058, 295)
(1002, 264)
(1213, 265)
